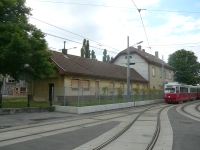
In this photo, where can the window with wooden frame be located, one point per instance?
(170, 75)
(85, 85)
(160, 73)
(74, 84)
(137, 86)
(111, 87)
(143, 86)
(153, 72)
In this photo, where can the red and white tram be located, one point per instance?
(176, 92)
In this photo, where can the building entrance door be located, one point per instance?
(51, 91)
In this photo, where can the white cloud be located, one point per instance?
(111, 26)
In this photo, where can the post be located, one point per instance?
(99, 96)
(78, 96)
(0, 100)
(29, 97)
(163, 76)
(64, 95)
(82, 96)
(51, 97)
(128, 73)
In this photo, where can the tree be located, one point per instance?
(23, 48)
(104, 55)
(87, 50)
(108, 58)
(83, 48)
(112, 58)
(186, 64)
(93, 56)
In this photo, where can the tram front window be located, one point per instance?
(170, 90)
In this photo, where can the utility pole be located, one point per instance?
(163, 75)
(128, 73)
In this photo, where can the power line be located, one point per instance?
(116, 7)
(143, 25)
(74, 33)
(76, 42)
(177, 44)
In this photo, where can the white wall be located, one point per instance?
(141, 66)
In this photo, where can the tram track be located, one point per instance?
(196, 108)
(152, 142)
(60, 129)
(64, 121)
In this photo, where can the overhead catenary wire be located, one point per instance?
(73, 33)
(94, 5)
(77, 42)
(143, 26)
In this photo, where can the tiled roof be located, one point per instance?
(146, 56)
(77, 65)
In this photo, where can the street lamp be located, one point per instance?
(128, 70)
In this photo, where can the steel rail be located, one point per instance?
(197, 108)
(183, 109)
(157, 132)
(67, 127)
(62, 121)
(121, 132)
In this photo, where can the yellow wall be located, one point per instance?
(157, 81)
(62, 86)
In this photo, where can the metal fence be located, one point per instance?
(79, 97)
(98, 96)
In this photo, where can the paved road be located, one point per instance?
(186, 131)
(63, 141)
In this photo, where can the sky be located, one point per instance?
(170, 25)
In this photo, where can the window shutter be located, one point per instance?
(75, 83)
(85, 84)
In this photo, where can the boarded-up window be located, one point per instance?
(85, 85)
(75, 84)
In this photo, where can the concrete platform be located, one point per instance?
(97, 108)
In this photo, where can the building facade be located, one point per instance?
(73, 73)
(147, 65)
(11, 87)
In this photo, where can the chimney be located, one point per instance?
(64, 51)
(143, 50)
(139, 47)
(156, 54)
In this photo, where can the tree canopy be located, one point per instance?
(187, 66)
(23, 47)
(86, 52)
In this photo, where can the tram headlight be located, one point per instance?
(168, 96)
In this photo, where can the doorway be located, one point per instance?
(51, 91)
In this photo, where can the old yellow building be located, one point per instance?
(74, 75)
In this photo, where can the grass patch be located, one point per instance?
(21, 103)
